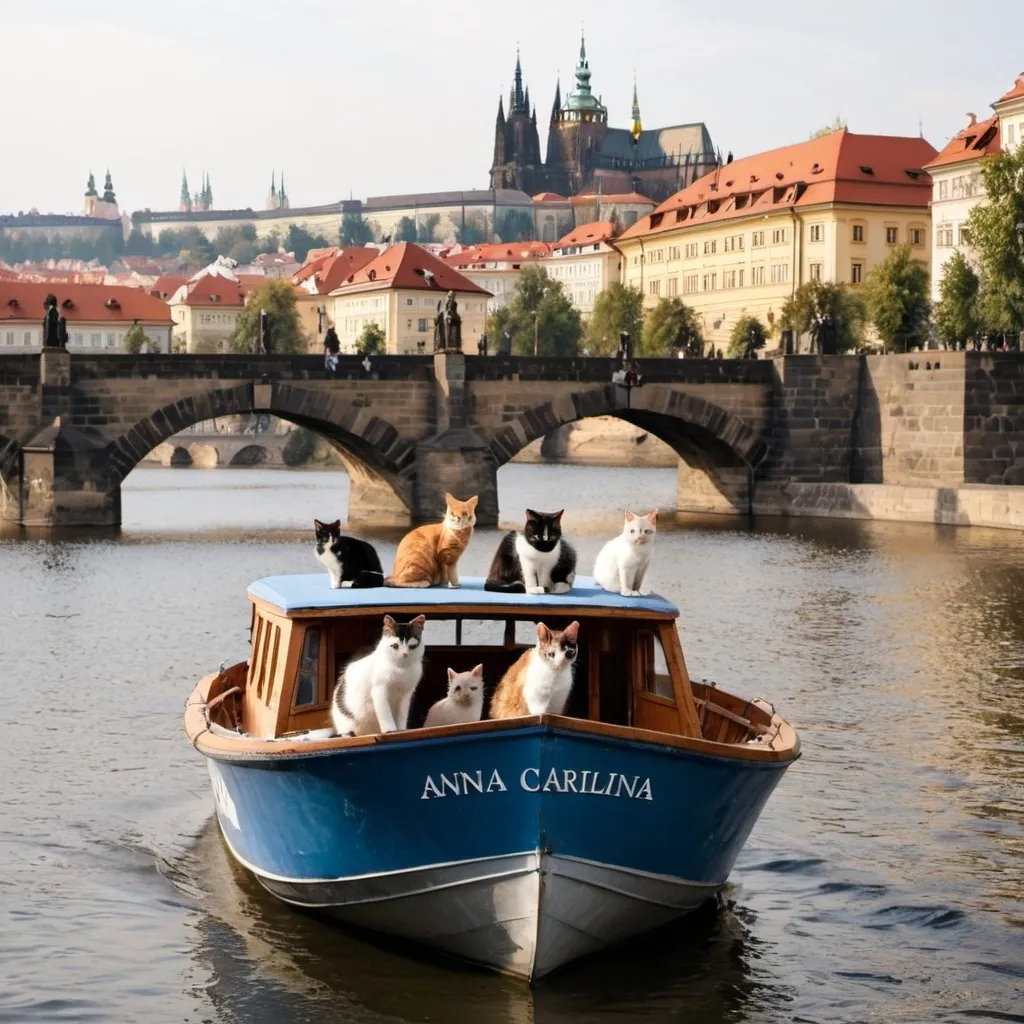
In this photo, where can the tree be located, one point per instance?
(277, 297)
(897, 300)
(136, 339)
(514, 226)
(470, 233)
(372, 341)
(747, 336)
(540, 314)
(992, 230)
(670, 326)
(617, 308)
(828, 129)
(139, 244)
(405, 230)
(818, 300)
(300, 241)
(956, 314)
(427, 228)
(354, 230)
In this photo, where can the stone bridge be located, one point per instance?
(411, 427)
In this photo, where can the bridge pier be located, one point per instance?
(724, 490)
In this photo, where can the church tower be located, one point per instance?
(91, 196)
(185, 200)
(517, 161)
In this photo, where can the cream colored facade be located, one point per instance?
(585, 271)
(202, 328)
(406, 315)
(956, 190)
(752, 265)
(20, 336)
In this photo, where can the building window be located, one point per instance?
(780, 273)
(94, 340)
(28, 337)
(757, 274)
(815, 270)
(689, 284)
(778, 236)
(710, 283)
(891, 236)
(691, 250)
(729, 279)
(756, 239)
(858, 232)
(917, 236)
(817, 232)
(944, 236)
(944, 189)
(964, 236)
(673, 285)
(856, 273)
(655, 287)
(710, 248)
(10, 338)
(673, 252)
(111, 340)
(421, 324)
(78, 337)
(733, 242)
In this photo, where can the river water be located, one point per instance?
(884, 882)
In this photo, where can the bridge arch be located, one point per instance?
(380, 465)
(719, 451)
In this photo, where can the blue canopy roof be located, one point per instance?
(313, 591)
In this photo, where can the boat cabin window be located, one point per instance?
(306, 689)
(654, 672)
(263, 664)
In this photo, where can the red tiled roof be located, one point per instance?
(974, 142)
(1015, 93)
(588, 234)
(549, 197)
(330, 269)
(92, 303)
(621, 198)
(216, 290)
(166, 285)
(403, 266)
(499, 252)
(836, 168)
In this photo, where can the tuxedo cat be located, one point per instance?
(374, 692)
(351, 562)
(537, 561)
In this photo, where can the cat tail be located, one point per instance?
(368, 578)
(501, 587)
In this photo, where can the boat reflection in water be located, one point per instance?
(267, 962)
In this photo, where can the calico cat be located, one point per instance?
(540, 681)
(373, 692)
(623, 562)
(351, 562)
(465, 700)
(429, 555)
(537, 561)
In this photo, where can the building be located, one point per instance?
(956, 189)
(100, 219)
(742, 239)
(956, 174)
(277, 198)
(497, 267)
(584, 153)
(323, 272)
(201, 201)
(98, 316)
(205, 309)
(586, 261)
(400, 290)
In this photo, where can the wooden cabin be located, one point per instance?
(630, 671)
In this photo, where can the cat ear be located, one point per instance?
(334, 527)
(571, 632)
(629, 516)
(652, 517)
(479, 671)
(390, 626)
(449, 500)
(530, 514)
(317, 525)
(451, 674)
(418, 621)
(543, 633)
(557, 516)
(471, 504)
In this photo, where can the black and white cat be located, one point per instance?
(373, 693)
(538, 561)
(351, 562)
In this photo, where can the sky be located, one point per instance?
(372, 98)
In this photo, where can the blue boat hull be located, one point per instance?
(522, 850)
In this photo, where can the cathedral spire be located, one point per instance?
(273, 183)
(90, 188)
(637, 127)
(556, 107)
(108, 189)
(500, 120)
(518, 103)
(185, 202)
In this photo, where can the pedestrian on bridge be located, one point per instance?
(331, 349)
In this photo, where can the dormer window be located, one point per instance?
(112, 304)
(67, 304)
(866, 170)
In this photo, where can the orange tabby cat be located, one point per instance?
(540, 681)
(429, 555)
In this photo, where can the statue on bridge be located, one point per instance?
(448, 326)
(55, 328)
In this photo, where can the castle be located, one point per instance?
(584, 155)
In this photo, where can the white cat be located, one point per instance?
(373, 693)
(465, 700)
(622, 563)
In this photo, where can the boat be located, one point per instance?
(518, 844)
